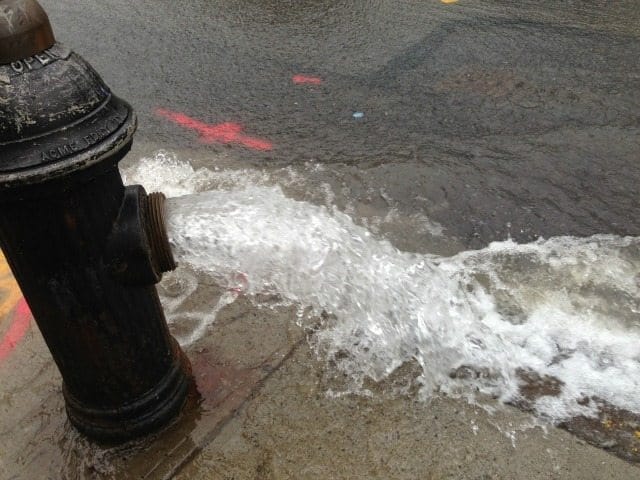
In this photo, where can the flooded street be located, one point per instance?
(408, 239)
(492, 119)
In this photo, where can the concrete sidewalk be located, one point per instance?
(265, 412)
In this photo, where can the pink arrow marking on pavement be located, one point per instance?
(306, 80)
(226, 132)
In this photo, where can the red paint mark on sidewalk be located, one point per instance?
(226, 132)
(306, 80)
(18, 329)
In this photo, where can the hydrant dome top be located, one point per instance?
(24, 30)
(57, 116)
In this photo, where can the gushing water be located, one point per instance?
(482, 321)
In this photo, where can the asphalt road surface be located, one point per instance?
(493, 119)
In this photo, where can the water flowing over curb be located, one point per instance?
(562, 313)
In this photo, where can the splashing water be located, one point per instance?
(480, 321)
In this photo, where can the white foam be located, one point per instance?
(567, 308)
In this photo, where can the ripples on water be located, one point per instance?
(565, 309)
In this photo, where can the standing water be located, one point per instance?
(565, 310)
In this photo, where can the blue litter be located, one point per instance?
(358, 115)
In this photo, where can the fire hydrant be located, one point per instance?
(86, 250)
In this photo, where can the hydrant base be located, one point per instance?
(141, 417)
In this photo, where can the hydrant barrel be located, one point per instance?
(83, 247)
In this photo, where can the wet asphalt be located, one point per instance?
(497, 119)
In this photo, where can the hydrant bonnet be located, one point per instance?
(57, 114)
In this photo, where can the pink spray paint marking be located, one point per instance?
(226, 132)
(18, 329)
(306, 80)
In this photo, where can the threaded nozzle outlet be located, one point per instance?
(157, 232)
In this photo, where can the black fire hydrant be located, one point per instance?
(85, 250)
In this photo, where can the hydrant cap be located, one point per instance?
(24, 30)
(57, 116)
